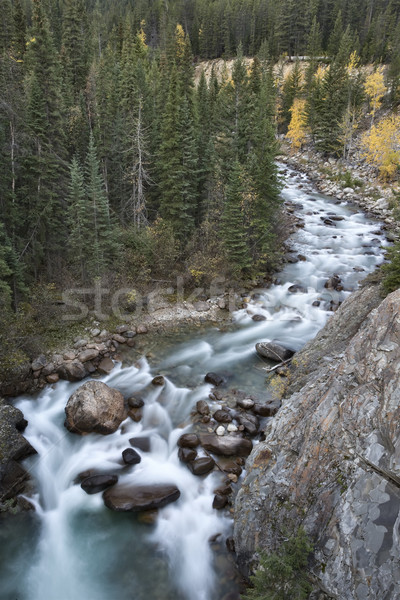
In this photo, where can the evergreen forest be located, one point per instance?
(118, 165)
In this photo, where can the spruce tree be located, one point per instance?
(79, 242)
(233, 223)
(102, 236)
(74, 52)
(178, 160)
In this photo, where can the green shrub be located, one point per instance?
(282, 575)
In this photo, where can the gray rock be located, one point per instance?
(131, 457)
(222, 416)
(105, 366)
(227, 445)
(214, 379)
(141, 329)
(202, 407)
(249, 422)
(95, 407)
(245, 403)
(188, 440)
(80, 343)
(72, 371)
(267, 410)
(274, 351)
(220, 501)
(135, 402)
(39, 362)
(201, 466)
(121, 329)
(89, 354)
(140, 497)
(187, 454)
(98, 483)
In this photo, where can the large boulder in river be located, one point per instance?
(136, 498)
(274, 351)
(95, 408)
(227, 445)
(330, 459)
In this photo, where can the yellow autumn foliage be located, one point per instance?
(382, 146)
(297, 130)
(375, 89)
(179, 42)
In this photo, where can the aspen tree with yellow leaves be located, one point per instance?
(382, 146)
(298, 130)
(375, 90)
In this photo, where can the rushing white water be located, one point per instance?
(74, 548)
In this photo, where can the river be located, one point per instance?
(72, 547)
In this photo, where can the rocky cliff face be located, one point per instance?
(331, 458)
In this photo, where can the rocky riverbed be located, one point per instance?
(354, 181)
(330, 458)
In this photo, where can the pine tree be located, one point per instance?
(102, 236)
(331, 103)
(178, 160)
(74, 49)
(79, 242)
(233, 223)
(265, 198)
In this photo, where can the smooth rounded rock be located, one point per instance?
(228, 445)
(187, 454)
(105, 366)
(274, 351)
(220, 501)
(202, 407)
(135, 402)
(214, 379)
(201, 466)
(188, 440)
(98, 483)
(222, 416)
(131, 457)
(140, 497)
(245, 403)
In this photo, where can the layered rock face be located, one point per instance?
(331, 460)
